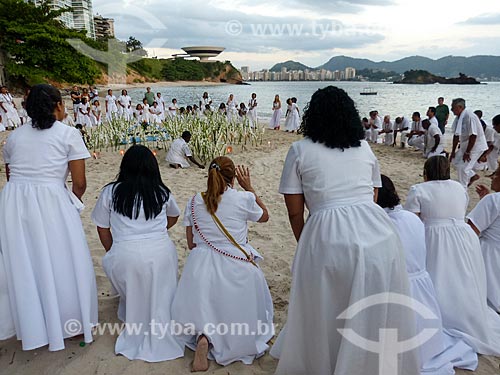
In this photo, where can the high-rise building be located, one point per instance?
(66, 18)
(245, 73)
(79, 18)
(104, 27)
(350, 73)
(83, 17)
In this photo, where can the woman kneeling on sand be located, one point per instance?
(221, 286)
(132, 217)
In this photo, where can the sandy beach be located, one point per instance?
(274, 240)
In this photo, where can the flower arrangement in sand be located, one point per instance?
(212, 135)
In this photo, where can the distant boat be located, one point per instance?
(368, 91)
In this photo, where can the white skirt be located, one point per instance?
(456, 266)
(49, 271)
(441, 352)
(216, 292)
(276, 119)
(344, 255)
(7, 329)
(491, 255)
(292, 122)
(144, 273)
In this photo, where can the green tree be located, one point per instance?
(36, 47)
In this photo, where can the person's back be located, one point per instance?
(54, 147)
(234, 211)
(127, 229)
(439, 199)
(334, 176)
(412, 234)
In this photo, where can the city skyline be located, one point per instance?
(261, 34)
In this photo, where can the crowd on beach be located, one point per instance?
(358, 245)
(480, 146)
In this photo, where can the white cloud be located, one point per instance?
(376, 29)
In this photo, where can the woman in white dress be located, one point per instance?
(124, 103)
(139, 114)
(132, 217)
(292, 123)
(154, 113)
(95, 113)
(111, 108)
(145, 108)
(277, 113)
(8, 110)
(172, 108)
(485, 221)
(454, 258)
(49, 271)
(348, 249)
(441, 352)
(83, 116)
(252, 111)
(221, 283)
(232, 108)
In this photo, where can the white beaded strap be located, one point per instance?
(222, 252)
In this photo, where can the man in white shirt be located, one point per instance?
(433, 139)
(179, 153)
(376, 125)
(431, 115)
(416, 137)
(401, 125)
(468, 132)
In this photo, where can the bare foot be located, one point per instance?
(473, 179)
(200, 362)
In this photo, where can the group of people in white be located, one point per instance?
(358, 243)
(475, 146)
(10, 116)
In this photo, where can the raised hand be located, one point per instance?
(243, 177)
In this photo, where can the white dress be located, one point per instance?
(232, 110)
(49, 271)
(442, 352)
(124, 106)
(486, 218)
(252, 113)
(95, 119)
(276, 119)
(83, 118)
(216, 289)
(456, 265)
(348, 250)
(142, 267)
(111, 110)
(10, 117)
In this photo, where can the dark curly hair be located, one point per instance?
(331, 118)
(41, 104)
(387, 195)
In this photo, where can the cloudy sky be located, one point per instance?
(260, 33)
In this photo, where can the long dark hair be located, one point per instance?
(139, 184)
(40, 105)
(331, 118)
(387, 195)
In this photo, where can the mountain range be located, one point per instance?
(449, 66)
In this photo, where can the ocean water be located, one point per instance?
(393, 100)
